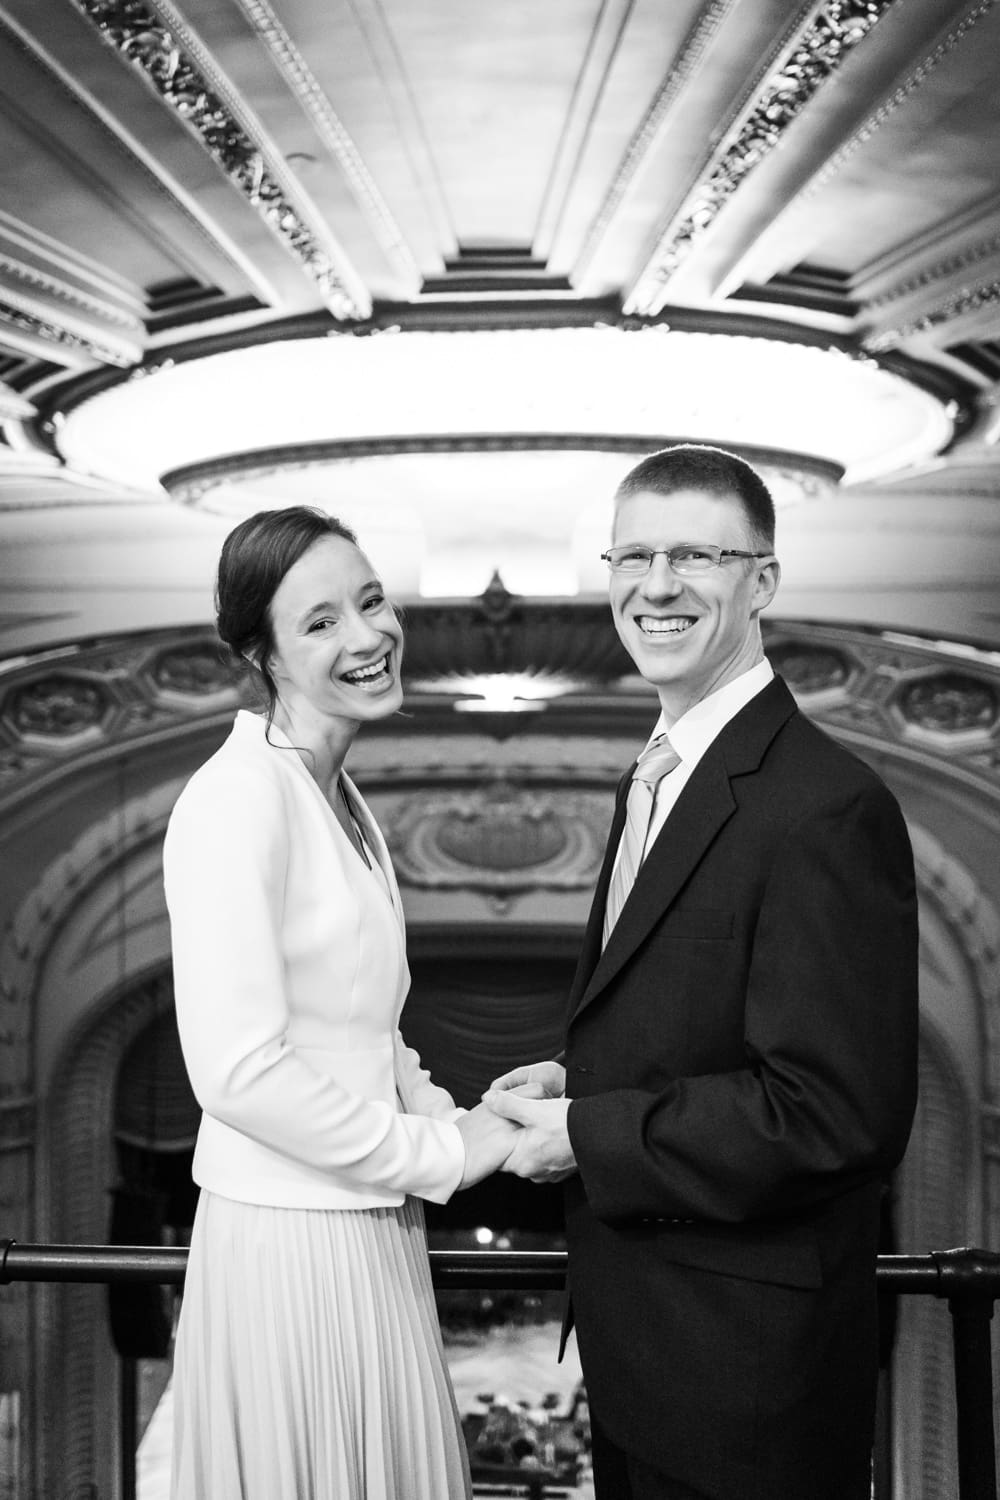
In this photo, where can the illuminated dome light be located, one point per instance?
(735, 390)
(499, 692)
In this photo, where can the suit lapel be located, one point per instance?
(705, 804)
(590, 951)
(702, 809)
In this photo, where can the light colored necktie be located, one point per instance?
(655, 762)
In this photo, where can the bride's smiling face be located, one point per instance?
(338, 645)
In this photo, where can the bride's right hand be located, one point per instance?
(488, 1141)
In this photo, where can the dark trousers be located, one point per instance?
(620, 1476)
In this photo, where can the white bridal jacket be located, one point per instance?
(290, 974)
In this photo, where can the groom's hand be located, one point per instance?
(488, 1140)
(542, 1151)
(541, 1080)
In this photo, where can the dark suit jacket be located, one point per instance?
(742, 1065)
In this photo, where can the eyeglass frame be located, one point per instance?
(720, 554)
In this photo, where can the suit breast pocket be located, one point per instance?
(699, 924)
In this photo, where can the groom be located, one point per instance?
(739, 1076)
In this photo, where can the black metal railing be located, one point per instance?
(969, 1280)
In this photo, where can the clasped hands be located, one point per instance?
(520, 1127)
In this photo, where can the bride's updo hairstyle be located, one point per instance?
(255, 557)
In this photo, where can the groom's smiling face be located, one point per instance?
(689, 635)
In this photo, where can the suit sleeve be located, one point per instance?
(826, 1097)
(224, 862)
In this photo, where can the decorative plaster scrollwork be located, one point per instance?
(868, 684)
(815, 57)
(328, 126)
(682, 69)
(167, 62)
(899, 96)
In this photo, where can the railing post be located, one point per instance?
(971, 1306)
(128, 1425)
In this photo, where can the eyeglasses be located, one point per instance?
(686, 558)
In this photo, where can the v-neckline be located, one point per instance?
(353, 831)
(371, 863)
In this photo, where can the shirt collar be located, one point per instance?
(695, 730)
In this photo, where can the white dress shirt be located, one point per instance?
(290, 974)
(692, 734)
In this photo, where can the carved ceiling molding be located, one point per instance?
(682, 69)
(93, 700)
(917, 700)
(860, 137)
(58, 79)
(956, 264)
(154, 39)
(18, 315)
(316, 105)
(62, 291)
(971, 299)
(816, 54)
(921, 700)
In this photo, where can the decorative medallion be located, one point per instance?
(810, 669)
(56, 707)
(196, 671)
(502, 832)
(167, 62)
(498, 838)
(501, 828)
(950, 703)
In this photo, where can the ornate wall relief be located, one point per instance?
(499, 839)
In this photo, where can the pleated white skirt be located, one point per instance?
(308, 1363)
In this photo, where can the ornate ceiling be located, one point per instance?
(446, 266)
